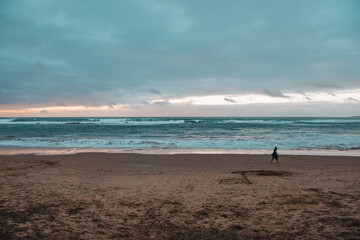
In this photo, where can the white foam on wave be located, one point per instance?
(6, 120)
(350, 120)
(258, 121)
(161, 121)
(309, 141)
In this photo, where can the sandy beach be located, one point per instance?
(184, 196)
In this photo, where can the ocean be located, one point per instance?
(182, 133)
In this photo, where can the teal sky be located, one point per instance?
(159, 58)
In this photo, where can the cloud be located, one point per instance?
(326, 86)
(351, 99)
(344, 103)
(44, 111)
(155, 91)
(273, 93)
(305, 95)
(343, 96)
(40, 65)
(229, 100)
(59, 52)
(60, 104)
(160, 102)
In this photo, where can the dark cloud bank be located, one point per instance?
(112, 52)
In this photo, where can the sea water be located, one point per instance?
(182, 133)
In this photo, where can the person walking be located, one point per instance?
(275, 155)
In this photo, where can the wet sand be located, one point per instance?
(134, 196)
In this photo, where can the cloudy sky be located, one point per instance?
(179, 58)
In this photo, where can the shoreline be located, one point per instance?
(66, 151)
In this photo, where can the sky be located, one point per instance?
(179, 58)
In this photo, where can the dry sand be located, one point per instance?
(133, 196)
